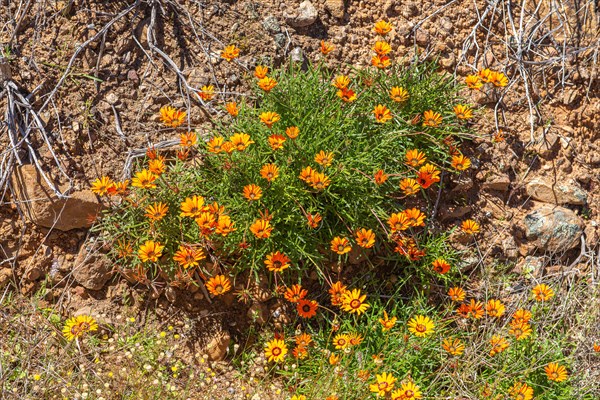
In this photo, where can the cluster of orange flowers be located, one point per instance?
(486, 75)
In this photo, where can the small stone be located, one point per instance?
(296, 55)
(530, 267)
(553, 229)
(454, 212)
(92, 269)
(132, 75)
(5, 275)
(336, 8)
(258, 313)
(563, 192)
(171, 294)
(305, 15)
(422, 37)
(5, 73)
(112, 98)
(463, 184)
(499, 183)
(271, 25)
(547, 144)
(217, 344)
(280, 40)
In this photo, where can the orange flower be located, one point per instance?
(414, 158)
(334, 360)
(460, 162)
(156, 211)
(341, 341)
(498, 79)
(453, 346)
(241, 141)
(415, 217)
(323, 158)
(475, 309)
(428, 175)
(206, 221)
(386, 322)
(150, 251)
(187, 256)
(157, 166)
(380, 177)
(230, 52)
(261, 71)
(382, 28)
(542, 292)
(319, 181)
(303, 340)
(432, 118)
(192, 206)
(300, 352)
(269, 171)
(470, 227)
(409, 186)
(252, 192)
(307, 308)
(521, 315)
(520, 330)
(118, 188)
(276, 141)
(306, 174)
(473, 82)
(457, 294)
(347, 95)
(144, 179)
(295, 294)
(398, 222)
(382, 113)
(172, 117)
(463, 112)
(269, 118)
(484, 74)
(232, 109)
(441, 266)
(365, 238)
(495, 308)
(102, 185)
(597, 347)
(381, 62)
(207, 93)
(340, 245)
(336, 291)
(188, 139)
(326, 47)
(341, 82)
(215, 145)
(267, 84)
(292, 132)
(499, 344)
(277, 262)
(218, 285)
(261, 228)
(314, 220)
(556, 372)
(225, 225)
(382, 48)
(398, 94)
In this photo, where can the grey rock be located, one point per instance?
(44, 208)
(280, 40)
(563, 192)
(296, 55)
(112, 98)
(92, 269)
(553, 229)
(304, 16)
(271, 25)
(531, 266)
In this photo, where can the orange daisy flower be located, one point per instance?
(150, 251)
(241, 141)
(381, 62)
(170, 116)
(156, 211)
(398, 94)
(319, 181)
(382, 48)
(313, 220)
(441, 266)
(225, 225)
(495, 308)
(261, 228)
(542, 292)
(326, 47)
(460, 162)
(409, 186)
(380, 177)
(267, 83)
(340, 245)
(341, 82)
(295, 294)
(269, 171)
(218, 285)
(382, 114)
(382, 28)
(463, 112)
(277, 262)
(187, 256)
(192, 206)
(431, 118)
(470, 227)
(398, 222)
(307, 308)
(102, 185)
(269, 118)
(276, 141)
(457, 294)
(414, 158)
(188, 139)
(336, 291)
(365, 238)
(325, 159)
(473, 82)
(261, 71)
(252, 192)
(230, 53)
(144, 179)
(415, 217)
(215, 145)
(347, 95)
(292, 132)
(207, 93)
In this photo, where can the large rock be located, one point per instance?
(553, 229)
(563, 192)
(92, 268)
(305, 15)
(44, 208)
(215, 339)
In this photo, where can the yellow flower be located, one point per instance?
(269, 171)
(520, 330)
(382, 28)
(215, 145)
(347, 95)
(267, 83)
(382, 113)
(188, 139)
(414, 158)
(408, 391)
(421, 326)
(431, 118)
(470, 227)
(341, 82)
(261, 71)
(460, 162)
(385, 384)
(457, 294)
(172, 117)
(382, 48)
(269, 118)
(453, 346)
(398, 222)
(542, 292)
(521, 315)
(261, 228)
(323, 158)
(252, 192)
(340, 245)
(398, 94)
(381, 62)
(76, 327)
(276, 141)
(409, 186)
(156, 166)
(230, 52)
(319, 181)
(187, 256)
(144, 179)
(150, 251)
(498, 79)
(354, 302)
(414, 217)
(241, 141)
(485, 74)
(326, 47)
(556, 372)
(207, 93)
(463, 112)
(495, 308)
(102, 185)
(225, 225)
(365, 238)
(232, 109)
(275, 350)
(192, 206)
(386, 322)
(218, 285)
(521, 391)
(499, 344)
(298, 397)
(473, 82)
(292, 132)
(156, 211)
